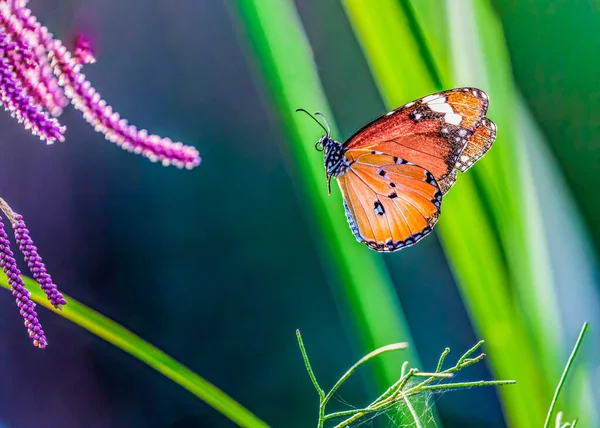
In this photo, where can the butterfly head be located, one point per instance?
(335, 161)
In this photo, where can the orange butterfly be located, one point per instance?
(393, 171)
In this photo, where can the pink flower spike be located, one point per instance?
(18, 102)
(101, 116)
(28, 95)
(84, 54)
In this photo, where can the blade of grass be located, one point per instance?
(468, 233)
(285, 59)
(124, 339)
(565, 373)
(569, 253)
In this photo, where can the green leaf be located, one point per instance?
(287, 67)
(124, 339)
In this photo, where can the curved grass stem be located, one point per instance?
(565, 373)
(134, 345)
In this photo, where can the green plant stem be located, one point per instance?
(460, 385)
(382, 350)
(442, 359)
(308, 367)
(411, 409)
(396, 392)
(565, 372)
(124, 339)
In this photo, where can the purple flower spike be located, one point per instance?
(21, 294)
(17, 102)
(35, 263)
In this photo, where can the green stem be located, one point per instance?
(459, 385)
(411, 409)
(382, 350)
(308, 367)
(565, 373)
(122, 338)
(442, 358)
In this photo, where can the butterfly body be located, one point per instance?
(393, 171)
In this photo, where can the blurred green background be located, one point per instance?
(219, 266)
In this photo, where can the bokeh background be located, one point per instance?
(220, 265)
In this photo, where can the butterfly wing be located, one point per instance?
(477, 146)
(431, 132)
(390, 203)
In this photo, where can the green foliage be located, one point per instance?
(561, 383)
(124, 339)
(401, 391)
(287, 65)
(495, 246)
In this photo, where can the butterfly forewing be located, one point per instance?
(390, 203)
(478, 145)
(431, 132)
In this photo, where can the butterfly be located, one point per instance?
(394, 171)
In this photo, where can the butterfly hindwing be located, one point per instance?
(431, 132)
(390, 203)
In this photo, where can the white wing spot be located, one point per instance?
(390, 113)
(484, 95)
(430, 98)
(444, 130)
(476, 93)
(453, 118)
(439, 100)
(418, 116)
(462, 132)
(464, 158)
(441, 108)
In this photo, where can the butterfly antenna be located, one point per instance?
(315, 119)
(324, 120)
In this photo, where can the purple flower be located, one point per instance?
(17, 22)
(19, 103)
(35, 263)
(21, 294)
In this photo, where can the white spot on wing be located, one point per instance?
(453, 118)
(462, 132)
(390, 113)
(430, 98)
(464, 158)
(438, 100)
(484, 95)
(441, 108)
